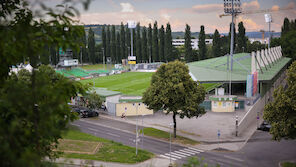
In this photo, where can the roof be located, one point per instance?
(130, 99)
(215, 69)
(105, 93)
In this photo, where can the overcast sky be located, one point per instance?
(182, 12)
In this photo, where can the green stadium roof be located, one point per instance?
(215, 69)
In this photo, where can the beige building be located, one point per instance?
(132, 106)
(223, 103)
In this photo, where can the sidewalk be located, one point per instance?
(203, 129)
(154, 162)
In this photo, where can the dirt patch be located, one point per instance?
(78, 146)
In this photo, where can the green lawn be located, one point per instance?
(131, 83)
(96, 66)
(109, 151)
(288, 164)
(166, 136)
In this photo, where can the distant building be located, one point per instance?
(194, 42)
(262, 41)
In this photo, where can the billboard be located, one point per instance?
(72, 62)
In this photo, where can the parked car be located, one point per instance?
(85, 113)
(265, 126)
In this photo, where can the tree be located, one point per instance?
(113, 44)
(33, 106)
(93, 100)
(241, 38)
(122, 42)
(150, 43)
(202, 43)
(188, 47)
(286, 26)
(281, 112)
(234, 38)
(138, 44)
(91, 45)
(173, 91)
(118, 48)
(128, 40)
(161, 45)
(216, 44)
(104, 43)
(144, 45)
(288, 44)
(108, 43)
(155, 50)
(134, 42)
(168, 51)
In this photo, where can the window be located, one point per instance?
(224, 104)
(215, 104)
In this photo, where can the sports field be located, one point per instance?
(131, 83)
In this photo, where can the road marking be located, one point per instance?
(163, 156)
(233, 158)
(92, 129)
(76, 125)
(195, 149)
(179, 152)
(168, 154)
(111, 134)
(191, 151)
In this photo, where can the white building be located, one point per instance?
(262, 41)
(194, 42)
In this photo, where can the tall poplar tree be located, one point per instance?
(216, 49)
(138, 44)
(128, 41)
(134, 42)
(118, 48)
(202, 43)
(241, 38)
(150, 43)
(144, 45)
(168, 44)
(91, 46)
(286, 26)
(122, 42)
(188, 47)
(108, 43)
(155, 50)
(113, 44)
(104, 43)
(161, 44)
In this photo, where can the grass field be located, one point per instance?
(131, 83)
(105, 150)
(166, 136)
(95, 67)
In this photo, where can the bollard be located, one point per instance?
(236, 126)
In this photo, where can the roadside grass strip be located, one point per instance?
(166, 136)
(84, 146)
(288, 164)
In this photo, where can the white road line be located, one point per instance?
(196, 152)
(168, 154)
(178, 154)
(111, 134)
(187, 152)
(163, 156)
(233, 158)
(182, 153)
(195, 149)
(92, 129)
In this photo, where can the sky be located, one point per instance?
(181, 12)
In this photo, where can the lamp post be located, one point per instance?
(137, 134)
(171, 124)
(268, 20)
(232, 7)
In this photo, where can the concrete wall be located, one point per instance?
(128, 109)
(111, 108)
(223, 106)
(257, 109)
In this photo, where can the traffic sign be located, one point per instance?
(218, 134)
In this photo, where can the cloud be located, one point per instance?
(127, 7)
(250, 24)
(251, 5)
(207, 8)
(275, 8)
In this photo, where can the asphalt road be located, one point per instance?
(179, 153)
(259, 151)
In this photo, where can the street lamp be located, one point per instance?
(232, 7)
(268, 20)
(137, 134)
(171, 124)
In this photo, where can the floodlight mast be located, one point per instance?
(232, 7)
